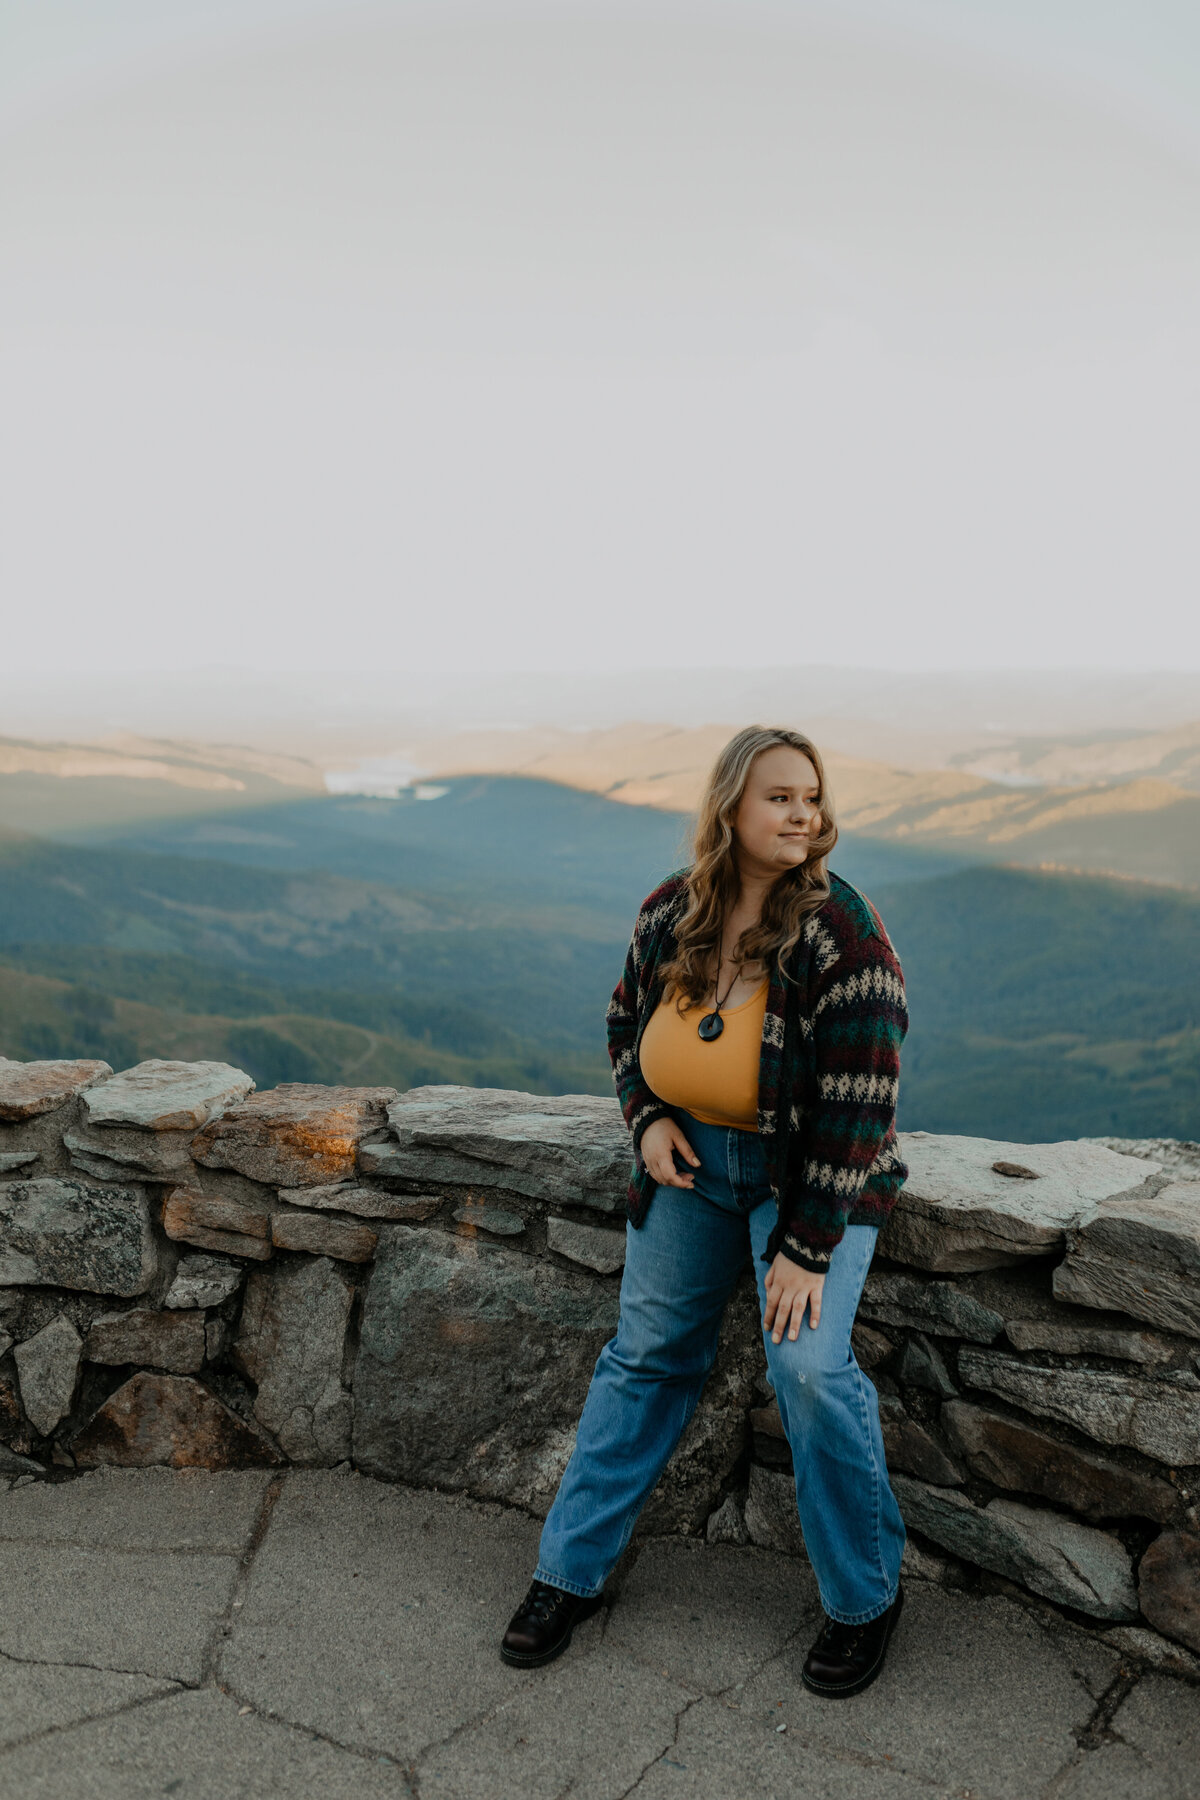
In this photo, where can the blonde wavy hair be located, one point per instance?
(713, 883)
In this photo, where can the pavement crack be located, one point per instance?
(805, 1629)
(365, 1752)
(1060, 1776)
(1097, 1729)
(63, 1662)
(522, 1681)
(1064, 1638)
(653, 1666)
(224, 1625)
(480, 1718)
(697, 1690)
(680, 1716)
(813, 1739)
(90, 1718)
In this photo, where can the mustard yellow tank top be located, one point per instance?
(717, 1081)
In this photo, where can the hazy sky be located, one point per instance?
(501, 337)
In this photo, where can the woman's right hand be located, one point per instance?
(658, 1142)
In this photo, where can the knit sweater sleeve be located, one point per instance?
(847, 1134)
(639, 1104)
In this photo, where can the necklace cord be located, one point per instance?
(712, 1024)
(718, 1004)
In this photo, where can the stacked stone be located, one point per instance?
(193, 1273)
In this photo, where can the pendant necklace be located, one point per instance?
(712, 1024)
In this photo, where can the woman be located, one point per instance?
(755, 1039)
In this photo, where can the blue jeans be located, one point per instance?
(680, 1268)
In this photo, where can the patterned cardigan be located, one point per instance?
(828, 1071)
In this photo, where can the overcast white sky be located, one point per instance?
(584, 336)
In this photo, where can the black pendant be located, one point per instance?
(711, 1026)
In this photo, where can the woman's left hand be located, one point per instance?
(789, 1289)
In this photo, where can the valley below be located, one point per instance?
(206, 907)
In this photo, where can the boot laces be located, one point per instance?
(839, 1637)
(541, 1601)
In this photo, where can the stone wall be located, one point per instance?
(418, 1284)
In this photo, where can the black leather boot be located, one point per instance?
(541, 1627)
(847, 1658)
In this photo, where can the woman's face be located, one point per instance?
(777, 812)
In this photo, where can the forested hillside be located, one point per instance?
(477, 937)
(1049, 1005)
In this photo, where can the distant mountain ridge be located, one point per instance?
(48, 787)
(133, 758)
(1147, 828)
(1173, 756)
(1115, 803)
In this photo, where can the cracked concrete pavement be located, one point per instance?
(317, 1633)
